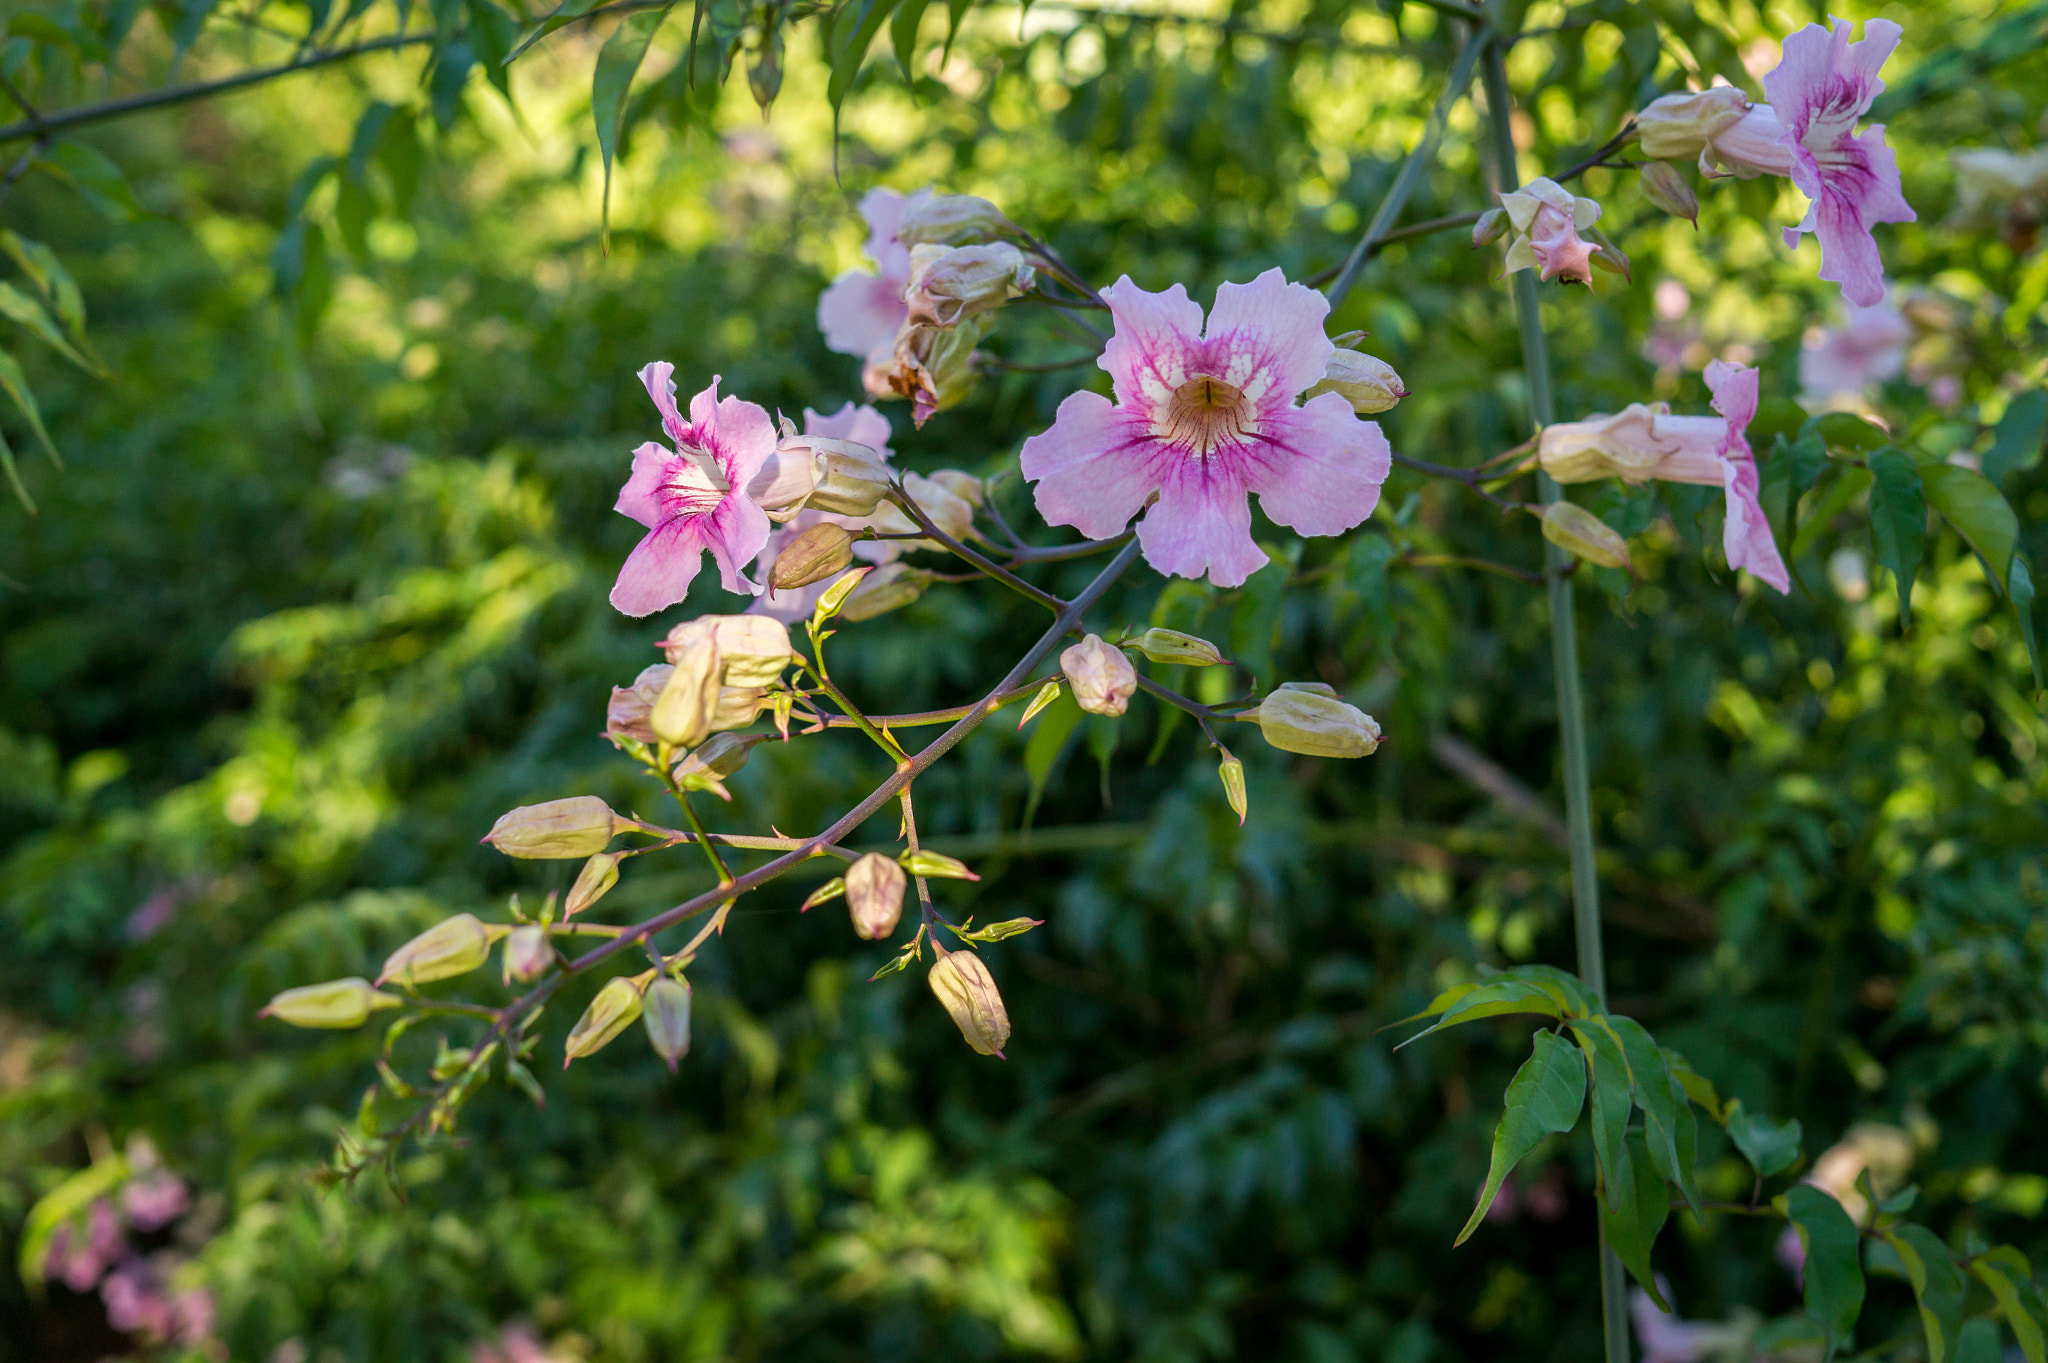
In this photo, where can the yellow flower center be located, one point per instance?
(1204, 413)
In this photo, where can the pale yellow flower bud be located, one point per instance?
(1665, 186)
(1102, 678)
(454, 946)
(1369, 385)
(949, 219)
(813, 556)
(558, 829)
(627, 714)
(874, 895)
(950, 283)
(683, 711)
(887, 588)
(1315, 725)
(945, 508)
(667, 1016)
(1579, 531)
(965, 486)
(1679, 127)
(963, 984)
(527, 953)
(593, 882)
(1231, 772)
(616, 1007)
(337, 1004)
(752, 649)
(849, 478)
(737, 706)
(1171, 647)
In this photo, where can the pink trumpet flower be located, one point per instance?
(693, 497)
(861, 312)
(1203, 418)
(1824, 84)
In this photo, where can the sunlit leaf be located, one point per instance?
(2011, 1279)
(1978, 510)
(1937, 1286)
(1543, 1099)
(2017, 442)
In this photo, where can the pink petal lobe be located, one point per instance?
(1147, 357)
(743, 437)
(659, 380)
(1202, 525)
(1746, 534)
(1323, 469)
(1734, 390)
(735, 535)
(862, 424)
(860, 313)
(883, 211)
(658, 572)
(1274, 334)
(638, 497)
(1093, 468)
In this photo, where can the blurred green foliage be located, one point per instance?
(322, 592)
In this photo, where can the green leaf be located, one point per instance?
(903, 34)
(1055, 726)
(452, 65)
(1496, 999)
(1834, 1266)
(2021, 590)
(16, 385)
(617, 64)
(1770, 1147)
(19, 307)
(1542, 1100)
(1652, 1088)
(1937, 1286)
(858, 26)
(1610, 1098)
(1698, 1088)
(1785, 473)
(1973, 504)
(2011, 1279)
(52, 281)
(2017, 442)
(369, 132)
(1634, 1211)
(13, 474)
(97, 179)
(1844, 431)
(1898, 521)
(1255, 624)
(1572, 996)
(399, 152)
(568, 12)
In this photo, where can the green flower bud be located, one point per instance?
(1306, 722)
(1231, 773)
(1170, 646)
(454, 946)
(614, 1009)
(1580, 532)
(721, 756)
(556, 830)
(336, 1005)
(813, 556)
(1370, 385)
(887, 588)
(963, 984)
(874, 896)
(1665, 186)
(1102, 677)
(593, 882)
(683, 711)
(668, 1019)
(1491, 227)
(935, 865)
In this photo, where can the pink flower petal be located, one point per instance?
(1093, 468)
(658, 572)
(1734, 390)
(1201, 526)
(862, 424)
(1745, 534)
(638, 498)
(740, 433)
(1147, 357)
(1274, 331)
(1324, 475)
(659, 380)
(883, 210)
(736, 532)
(860, 313)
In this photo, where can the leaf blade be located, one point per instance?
(1543, 1099)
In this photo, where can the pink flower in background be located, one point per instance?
(155, 1200)
(693, 498)
(514, 1344)
(861, 312)
(1547, 219)
(1868, 348)
(866, 426)
(1818, 91)
(140, 1301)
(1203, 419)
(1667, 1339)
(1745, 534)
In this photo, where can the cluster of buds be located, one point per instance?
(716, 678)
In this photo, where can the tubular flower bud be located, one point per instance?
(1369, 385)
(721, 756)
(1491, 227)
(1316, 725)
(1665, 186)
(969, 994)
(1578, 531)
(593, 882)
(1547, 219)
(1637, 444)
(556, 830)
(752, 649)
(887, 588)
(627, 714)
(950, 283)
(1171, 647)
(454, 946)
(1729, 135)
(818, 553)
(1231, 773)
(850, 478)
(965, 486)
(949, 220)
(683, 711)
(336, 1005)
(944, 508)
(874, 896)
(1102, 677)
(935, 865)
(611, 1012)
(527, 953)
(667, 1017)
(786, 479)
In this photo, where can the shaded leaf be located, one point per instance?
(1770, 1147)
(853, 34)
(2017, 442)
(1834, 1266)
(1543, 1099)
(60, 292)
(1973, 504)
(2011, 1279)
(1937, 1286)
(1634, 1211)
(18, 307)
(1653, 1089)
(1611, 1102)
(1061, 717)
(97, 179)
(1898, 521)
(2021, 590)
(617, 64)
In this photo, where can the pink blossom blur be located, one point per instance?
(693, 498)
(1204, 418)
(861, 312)
(1865, 350)
(1823, 85)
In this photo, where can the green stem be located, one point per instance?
(1564, 644)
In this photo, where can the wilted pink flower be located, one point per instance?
(1646, 442)
(866, 426)
(155, 1199)
(514, 1344)
(1868, 348)
(1547, 219)
(861, 312)
(693, 497)
(1203, 420)
(1821, 87)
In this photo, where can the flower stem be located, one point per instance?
(1564, 644)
